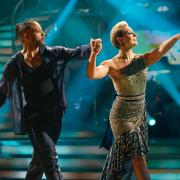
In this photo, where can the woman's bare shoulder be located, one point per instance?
(139, 56)
(107, 62)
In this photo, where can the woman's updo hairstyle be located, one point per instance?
(117, 31)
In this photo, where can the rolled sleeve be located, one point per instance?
(80, 52)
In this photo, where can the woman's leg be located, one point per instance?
(140, 168)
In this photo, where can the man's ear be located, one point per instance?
(25, 36)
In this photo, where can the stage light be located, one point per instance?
(162, 9)
(60, 21)
(152, 122)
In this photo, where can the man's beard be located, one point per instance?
(40, 43)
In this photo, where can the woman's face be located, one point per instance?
(128, 39)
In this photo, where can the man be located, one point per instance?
(33, 82)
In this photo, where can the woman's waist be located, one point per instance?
(128, 97)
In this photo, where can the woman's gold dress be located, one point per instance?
(128, 120)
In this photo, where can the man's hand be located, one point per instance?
(96, 46)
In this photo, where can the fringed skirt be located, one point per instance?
(129, 126)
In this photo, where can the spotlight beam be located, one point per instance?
(60, 21)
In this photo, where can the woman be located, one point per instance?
(128, 72)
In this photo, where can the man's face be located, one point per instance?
(35, 35)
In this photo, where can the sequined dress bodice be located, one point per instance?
(133, 78)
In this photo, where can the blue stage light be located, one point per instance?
(152, 122)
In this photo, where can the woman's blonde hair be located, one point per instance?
(117, 31)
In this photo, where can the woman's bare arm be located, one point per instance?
(163, 48)
(93, 71)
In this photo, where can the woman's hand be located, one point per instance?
(96, 46)
(164, 47)
(178, 36)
